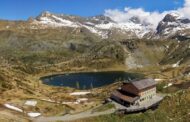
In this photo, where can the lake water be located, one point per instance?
(88, 80)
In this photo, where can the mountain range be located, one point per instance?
(57, 43)
(97, 37)
(171, 25)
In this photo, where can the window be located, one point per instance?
(142, 99)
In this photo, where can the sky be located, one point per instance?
(23, 9)
(149, 11)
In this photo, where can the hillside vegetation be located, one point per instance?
(27, 53)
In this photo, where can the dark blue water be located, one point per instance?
(88, 80)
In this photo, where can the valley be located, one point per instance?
(53, 44)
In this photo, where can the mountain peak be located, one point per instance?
(171, 24)
(135, 19)
(172, 17)
(45, 14)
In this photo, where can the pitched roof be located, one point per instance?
(143, 84)
(126, 98)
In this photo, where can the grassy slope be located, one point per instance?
(25, 53)
(175, 108)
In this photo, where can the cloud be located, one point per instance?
(185, 10)
(145, 16)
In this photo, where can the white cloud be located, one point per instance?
(185, 10)
(145, 16)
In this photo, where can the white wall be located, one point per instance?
(147, 95)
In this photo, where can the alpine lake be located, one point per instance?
(88, 80)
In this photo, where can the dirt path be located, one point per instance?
(69, 117)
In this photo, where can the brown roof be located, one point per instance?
(126, 98)
(143, 84)
(130, 88)
(134, 87)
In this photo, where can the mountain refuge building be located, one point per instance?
(135, 93)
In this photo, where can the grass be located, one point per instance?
(174, 108)
(51, 109)
(59, 50)
(104, 107)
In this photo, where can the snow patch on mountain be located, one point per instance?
(57, 22)
(171, 24)
(99, 25)
(103, 26)
(96, 31)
